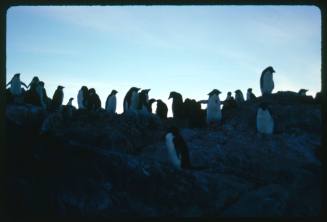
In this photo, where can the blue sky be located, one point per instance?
(189, 49)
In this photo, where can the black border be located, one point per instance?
(7, 4)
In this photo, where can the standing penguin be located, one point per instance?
(143, 101)
(162, 109)
(177, 105)
(266, 80)
(40, 92)
(93, 100)
(265, 122)
(111, 102)
(16, 85)
(177, 149)
(239, 98)
(57, 99)
(249, 95)
(82, 97)
(213, 107)
(302, 92)
(131, 99)
(33, 84)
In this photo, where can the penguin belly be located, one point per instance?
(265, 123)
(213, 111)
(172, 151)
(111, 106)
(15, 87)
(268, 84)
(134, 101)
(80, 100)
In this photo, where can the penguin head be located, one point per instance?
(113, 92)
(174, 95)
(60, 87)
(41, 83)
(84, 88)
(229, 94)
(145, 91)
(303, 91)
(270, 69)
(214, 92)
(17, 75)
(35, 79)
(152, 101)
(249, 89)
(238, 92)
(91, 91)
(136, 89)
(71, 99)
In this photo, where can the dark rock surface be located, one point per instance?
(99, 165)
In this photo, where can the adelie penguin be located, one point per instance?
(16, 85)
(69, 109)
(161, 109)
(193, 113)
(239, 98)
(229, 102)
(131, 100)
(177, 149)
(82, 97)
(111, 102)
(93, 100)
(266, 81)
(177, 105)
(143, 101)
(302, 92)
(57, 99)
(32, 96)
(264, 120)
(40, 92)
(249, 95)
(213, 108)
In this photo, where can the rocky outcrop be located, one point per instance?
(100, 165)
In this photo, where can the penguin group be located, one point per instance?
(186, 111)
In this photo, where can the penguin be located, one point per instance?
(16, 85)
(249, 95)
(82, 97)
(177, 149)
(70, 102)
(111, 102)
(302, 92)
(93, 100)
(177, 105)
(143, 101)
(57, 99)
(33, 84)
(162, 109)
(131, 99)
(32, 96)
(46, 99)
(229, 96)
(239, 98)
(264, 121)
(266, 80)
(317, 98)
(193, 113)
(40, 92)
(213, 107)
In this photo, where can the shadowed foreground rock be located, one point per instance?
(98, 165)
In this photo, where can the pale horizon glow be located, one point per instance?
(188, 49)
